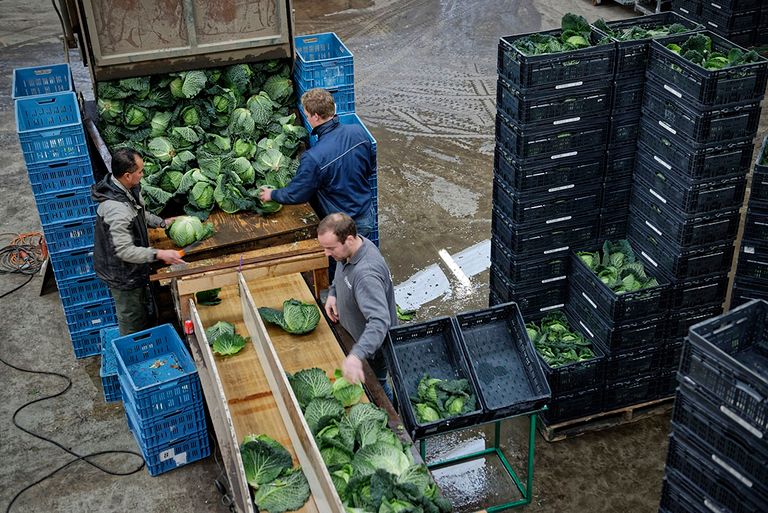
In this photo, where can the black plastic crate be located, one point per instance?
(619, 165)
(551, 143)
(573, 405)
(731, 6)
(613, 225)
(728, 358)
(532, 297)
(690, 196)
(555, 71)
(525, 176)
(718, 488)
(756, 225)
(527, 207)
(731, 446)
(690, 9)
(746, 290)
(552, 107)
(503, 361)
(632, 56)
(551, 237)
(743, 38)
(626, 336)
(686, 230)
(628, 392)
(763, 152)
(615, 198)
(694, 161)
(691, 82)
(705, 290)
(698, 123)
(680, 321)
(759, 189)
(753, 262)
(517, 270)
(666, 385)
(434, 348)
(723, 21)
(675, 261)
(617, 307)
(624, 129)
(670, 358)
(633, 364)
(677, 496)
(628, 95)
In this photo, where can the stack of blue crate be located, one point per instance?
(53, 143)
(108, 370)
(322, 60)
(162, 398)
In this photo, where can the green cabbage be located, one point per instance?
(187, 229)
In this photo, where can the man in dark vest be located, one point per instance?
(121, 253)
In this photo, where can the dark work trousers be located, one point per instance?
(135, 309)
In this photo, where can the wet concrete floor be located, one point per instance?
(425, 86)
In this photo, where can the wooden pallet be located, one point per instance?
(604, 420)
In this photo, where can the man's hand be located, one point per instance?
(330, 308)
(169, 220)
(169, 256)
(265, 194)
(352, 369)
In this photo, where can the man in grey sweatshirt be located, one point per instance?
(361, 298)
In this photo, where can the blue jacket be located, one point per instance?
(335, 172)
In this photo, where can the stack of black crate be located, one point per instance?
(719, 442)
(743, 22)
(751, 281)
(551, 130)
(694, 153)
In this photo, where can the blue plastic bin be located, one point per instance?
(108, 368)
(86, 343)
(343, 97)
(69, 235)
(322, 60)
(166, 429)
(95, 315)
(157, 372)
(82, 290)
(50, 128)
(72, 264)
(60, 175)
(66, 205)
(40, 80)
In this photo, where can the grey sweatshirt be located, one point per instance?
(365, 299)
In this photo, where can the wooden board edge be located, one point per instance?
(303, 442)
(225, 430)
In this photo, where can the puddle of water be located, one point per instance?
(475, 259)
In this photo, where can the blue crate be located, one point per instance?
(86, 343)
(69, 235)
(111, 387)
(177, 454)
(66, 205)
(343, 97)
(322, 60)
(90, 316)
(82, 290)
(60, 175)
(39, 80)
(108, 368)
(72, 264)
(156, 371)
(50, 128)
(166, 429)
(349, 118)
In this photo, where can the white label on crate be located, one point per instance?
(732, 471)
(715, 5)
(564, 121)
(651, 260)
(667, 127)
(559, 219)
(569, 84)
(686, 11)
(673, 91)
(544, 309)
(181, 459)
(653, 228)
(748, 250)
(167, 454)
(589, 332)
(741, 422)
(96, 321)
(563, 155)
(589, 300)
(707, 502)
(657, 159)
(713, 24)
(658, 196)
(562, 188)
(550, 280)
(564, 248)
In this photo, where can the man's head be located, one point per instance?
(318, 106)
(127, 167)
(337, 234)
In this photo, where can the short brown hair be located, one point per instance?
(319, 101)
(124, 161)
(340, 224)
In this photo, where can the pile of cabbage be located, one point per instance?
(208, 137)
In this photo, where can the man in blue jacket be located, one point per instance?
(334, 173)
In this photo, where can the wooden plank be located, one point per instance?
(307, 451)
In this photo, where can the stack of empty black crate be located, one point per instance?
(626, 104)
(54, 147)
(744, 22)
(719, 443)
(551, 129)
(694, 153)
(751, 281)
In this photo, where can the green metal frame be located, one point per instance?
(526, 491)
